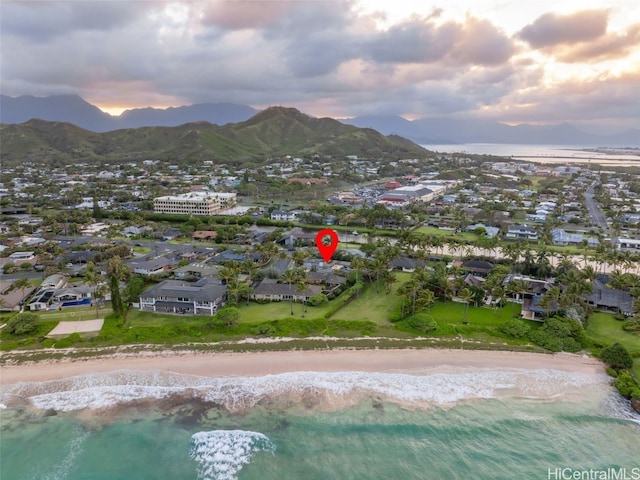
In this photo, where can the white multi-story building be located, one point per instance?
(195, 203)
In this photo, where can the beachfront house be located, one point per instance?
(203, 297)
(271, 290)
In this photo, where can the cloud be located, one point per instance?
(604, 48)
(553, 29)
(415, 41)
(482, 43)
(42, 21)
(240, 14)
(604, 98)
(474, 42)
(326, 57)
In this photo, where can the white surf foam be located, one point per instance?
(221, 454)
(237, 393)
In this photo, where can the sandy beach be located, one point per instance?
(265, 363)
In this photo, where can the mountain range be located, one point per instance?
(427, 131)
(273, 132)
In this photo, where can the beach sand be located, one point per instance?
(264, 363)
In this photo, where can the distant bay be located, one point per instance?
(543, 153)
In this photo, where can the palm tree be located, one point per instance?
(516, 288)
(299, 256)
(425, 299)
(301, 286)
(290, 276)
(377, 265)
(499, 297)
(118, 272)
(22, 284)
(467, 295)
(357, 264)
(229, 273)
(388, 278)
(93, 280)
(249, 267)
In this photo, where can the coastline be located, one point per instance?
(255, 364)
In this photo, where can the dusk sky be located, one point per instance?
(512, 61)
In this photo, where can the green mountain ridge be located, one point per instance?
(273, 132)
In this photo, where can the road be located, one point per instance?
(597, 217)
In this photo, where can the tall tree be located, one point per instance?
(117, 271)
(22, 284)
(92, 278)
(467, 295)
(290, 276)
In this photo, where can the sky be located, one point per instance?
(512, 61)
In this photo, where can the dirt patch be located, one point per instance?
(84, 326)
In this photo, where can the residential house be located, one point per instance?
(55, 281)
(627, 244)
(229, 255)
(72, 296)
(406, 264)
(478, 267)
(273, 291)
(154, 266)
(204, 235)
(281, 215)
(529, 298)
(175, 296)
(521, 232)
(606, 298)
(489, 231)
(562, 237)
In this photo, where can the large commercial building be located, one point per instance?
(195, 203)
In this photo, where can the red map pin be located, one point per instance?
(327, 242)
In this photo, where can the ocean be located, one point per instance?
(560, 154)
(458, 423)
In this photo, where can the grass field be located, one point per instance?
(603, 328)
(373, 306)
(466, 236)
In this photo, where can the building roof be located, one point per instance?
(205, 290)
(478, 265)
(605, 296)
(272, 287)
(406, 263)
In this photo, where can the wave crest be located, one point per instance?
(221, 454)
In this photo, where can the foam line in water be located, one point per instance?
(62, 469)
(221, 454)
(236, 393)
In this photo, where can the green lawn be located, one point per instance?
(603, 328)
(453, 313)
(257, 313)
(373, 306)
(136, 318)
(79, 313)
(467, 236)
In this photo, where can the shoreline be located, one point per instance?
(257, 364)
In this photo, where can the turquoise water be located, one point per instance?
(312, 426)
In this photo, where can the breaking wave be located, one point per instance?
(221, 454)
(324, 389)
